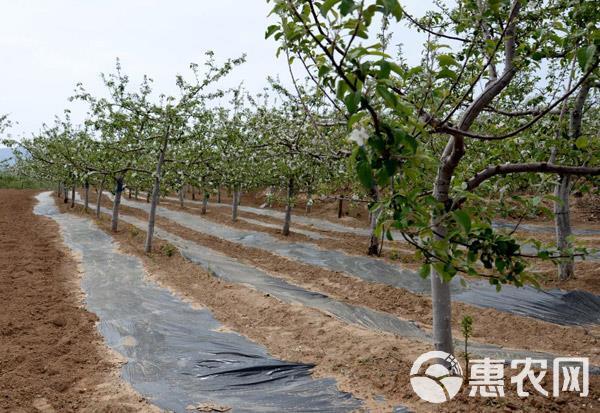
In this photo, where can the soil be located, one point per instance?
(364, 362)
(490, 326)
(52, 358)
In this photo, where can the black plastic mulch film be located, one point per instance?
(176, 354)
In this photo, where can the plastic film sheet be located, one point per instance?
(234, 271)
(176, 354)
(555, 306)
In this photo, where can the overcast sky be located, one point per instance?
(47, 46)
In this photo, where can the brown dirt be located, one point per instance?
(52, 358)
(490, 326)
(364, 362)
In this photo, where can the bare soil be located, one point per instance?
(364, 362)
(52, 358)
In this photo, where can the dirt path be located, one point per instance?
(51, 357)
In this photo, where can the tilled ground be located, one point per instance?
(52, 358)
(364, 362)
(490, 326)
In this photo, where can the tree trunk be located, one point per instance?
(440, 290)
(288, 208)
(129, 193)
(562, 219)
(99, 200)
(87, 195)
(155, 195)
(148, 195)
(73, 196)
(340, 206)
(374, 239)
(235, 203)
(136, 194)
(181, 197)
(219, 194)
(193, 193)
(58, 190)
(205, 202)
(65, 194)
(117, 204)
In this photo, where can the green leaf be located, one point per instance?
(352, 100)
(365, 176)
(425, 270)
(388, 97)
(463, 219)
(270, 30)
(446, 60)
(347, 6)
(327, 5)
(585, 56)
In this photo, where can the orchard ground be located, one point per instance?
(54, 360)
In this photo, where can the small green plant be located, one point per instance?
(466, 328)
(134, 232)
(168, 249)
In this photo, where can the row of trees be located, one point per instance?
(504, 100)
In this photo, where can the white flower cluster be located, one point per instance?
(359, 136)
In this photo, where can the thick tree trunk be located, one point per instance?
(235, 203)
(73, 196)
(562, 219)
(205, 202)
(117, 204)
(155, 196)
(136, 194)
(288, 208)
(99, 199)
(87, 195)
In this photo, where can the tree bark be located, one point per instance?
(65, 194)
(219, 194)
(235, 203)
(136, 194)
(340, 206)
(117, 204)
(181, 196)
(204, 202)
(193, 193)
(155, 194)
(288, 208)
(58, 190)
(148, 195)
(562, 190)
(562, 219)
(99, 199)
(73, 196)
(87, 195)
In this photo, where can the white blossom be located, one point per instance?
(359, 136)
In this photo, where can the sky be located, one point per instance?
(47, 46)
